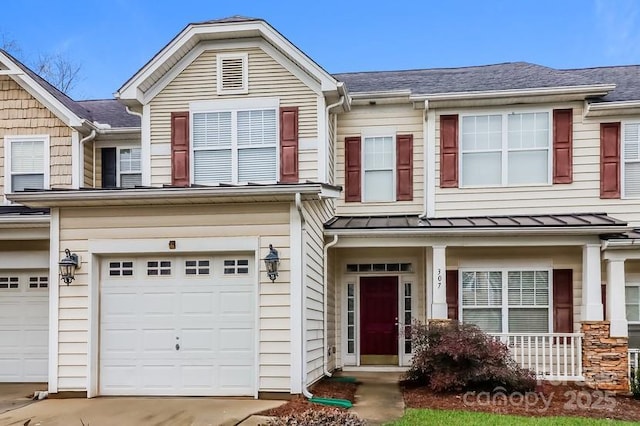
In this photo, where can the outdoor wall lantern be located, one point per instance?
(68, 266)
(271, 262)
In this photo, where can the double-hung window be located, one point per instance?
(235, 145)
(507, 301)
(379, 168)
(505, 149)
(631, 160)
(632, 302)
(26, 162)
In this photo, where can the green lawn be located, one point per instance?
(413, 417)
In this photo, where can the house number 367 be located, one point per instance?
(439, 277)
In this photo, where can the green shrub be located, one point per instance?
(450, 356)
(328, 417)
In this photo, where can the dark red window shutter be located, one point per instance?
(352, 168)
(562, 145)
(448, 151)
(563, 300)
(452, 295)
(289, 144)
(609, 160)
(180, 148)
(404, 167)
(603, 294)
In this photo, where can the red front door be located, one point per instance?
(378, 320)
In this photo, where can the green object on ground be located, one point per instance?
(342, 379)
(335, 402)
(446, 418)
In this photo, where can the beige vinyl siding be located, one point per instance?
(405, 120)
(316, 213)
(21, 114)
(79, 225)
(523, 258)
(581, 196)
(331, 165)
(89, 167)
(267, 78)
(333, 323)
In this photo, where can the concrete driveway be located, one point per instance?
(136, 412)
(16, 395)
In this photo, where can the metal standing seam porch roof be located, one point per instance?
(578, 220)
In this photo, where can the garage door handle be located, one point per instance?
(177, 347)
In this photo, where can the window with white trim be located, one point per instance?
(379, 173)
(129, 167)
(631, 160)
(507, 301)
(26, 163)
(232, 73)
(505, 149)
(235, 146)
(632, 301)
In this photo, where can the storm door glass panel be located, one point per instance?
(351, 318)
(408, 317)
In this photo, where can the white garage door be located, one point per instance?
(178, 326)
(24, 326)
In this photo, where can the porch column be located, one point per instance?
(439, 283)
(591, 283)
(616, 309)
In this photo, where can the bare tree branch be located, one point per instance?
(59, 70)
(9, 44)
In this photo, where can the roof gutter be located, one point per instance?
(126, 196)
(619, 244)
(427, 231)
(605, 108)
(587, 90)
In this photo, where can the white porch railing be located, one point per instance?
(634, 357)
(551, 356)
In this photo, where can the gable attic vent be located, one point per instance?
(232, 73)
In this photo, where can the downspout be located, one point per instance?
(84, 140)
(303, 297)
(335, 124)
(426, 158)
(325, 357)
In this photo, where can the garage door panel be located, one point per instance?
(208, 313)
(198, 303)
(24, 325)
(196, 340)
(159, 340)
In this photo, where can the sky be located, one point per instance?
(112, 39)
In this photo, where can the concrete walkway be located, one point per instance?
(16, 395)
(378, 399)
(110, 411)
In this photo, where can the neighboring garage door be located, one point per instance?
(178, 326)
(24, 325)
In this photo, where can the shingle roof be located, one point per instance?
(511, 75)
(519, 221)
(61, 97)
(111, 112)
(104, 111)
(229, 19)
(626, 78)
